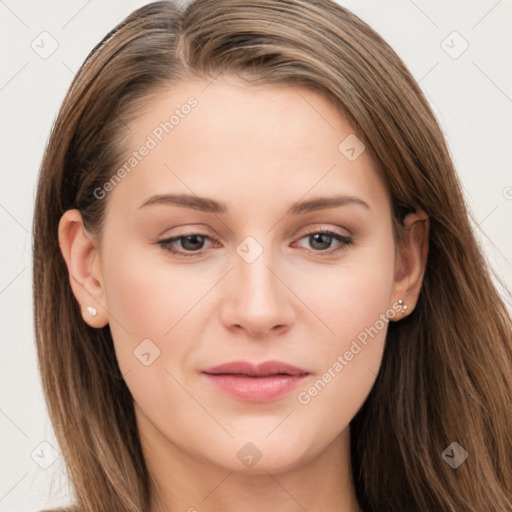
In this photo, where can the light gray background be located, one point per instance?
(471, 95)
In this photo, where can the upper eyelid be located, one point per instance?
(206, 235)
(317, 227)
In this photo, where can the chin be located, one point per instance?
(263, 456)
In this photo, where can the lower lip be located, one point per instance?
(256, 389)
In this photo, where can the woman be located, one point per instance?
(255, 277)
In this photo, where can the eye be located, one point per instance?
(192, 244)
(322, 241)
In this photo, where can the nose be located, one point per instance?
(257, 299)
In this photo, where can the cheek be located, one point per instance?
(148, 302)
(145, 299)
(353, 296)
(355, 308)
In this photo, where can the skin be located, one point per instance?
(257, 149)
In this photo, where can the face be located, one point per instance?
(282, 254)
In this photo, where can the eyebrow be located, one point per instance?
(207, 205)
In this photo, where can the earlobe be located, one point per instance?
(79, 250)
(411, 261)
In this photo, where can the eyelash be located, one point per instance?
(167, 243)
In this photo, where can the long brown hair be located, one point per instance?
(446, 374)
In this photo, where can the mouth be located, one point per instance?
(255, 383)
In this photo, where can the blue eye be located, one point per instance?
(322, 238)
(192, 244)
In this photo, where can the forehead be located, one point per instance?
(224, 135)
(228, 112)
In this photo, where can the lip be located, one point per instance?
(256, 383)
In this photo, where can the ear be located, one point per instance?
(81, 255)
(411, 262)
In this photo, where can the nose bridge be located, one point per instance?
(258, 298)
(257, 282)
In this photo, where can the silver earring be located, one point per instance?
(404, 306)
(92, 311)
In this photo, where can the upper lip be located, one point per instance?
(259, 370)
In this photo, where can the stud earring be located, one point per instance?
(92, 311)
(404, 306)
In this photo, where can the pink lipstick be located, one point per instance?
(255, 383)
